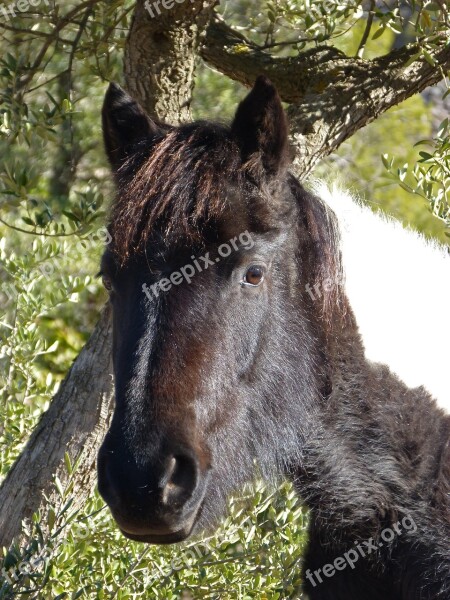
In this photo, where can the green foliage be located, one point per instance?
(429, 177)
(358, 165)
(256, 553)
(42, 279)
(287, 26)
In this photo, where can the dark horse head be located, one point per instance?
(219, 349)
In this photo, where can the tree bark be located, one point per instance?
(331, 97)
(77, 420)
(165, 49)
(75, 423)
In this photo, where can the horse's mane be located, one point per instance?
(321, 251)
(179, 185)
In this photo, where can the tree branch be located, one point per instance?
(88, 4)
(365, 37)
(331, 95)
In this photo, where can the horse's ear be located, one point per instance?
(261, 129)
(125, 124)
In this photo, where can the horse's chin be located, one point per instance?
(158, 538)
(162, 534)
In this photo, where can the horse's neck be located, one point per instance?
(398, 285)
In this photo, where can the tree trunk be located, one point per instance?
(160, 57)
(75, 423)
(331, 97)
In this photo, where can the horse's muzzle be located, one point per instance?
(157, 500)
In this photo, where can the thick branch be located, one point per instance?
(331, 95)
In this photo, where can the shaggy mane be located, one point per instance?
(177, 189)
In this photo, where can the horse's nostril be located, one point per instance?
(178, 481)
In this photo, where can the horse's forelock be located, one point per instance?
(179, 187)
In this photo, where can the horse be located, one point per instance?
(236, 353)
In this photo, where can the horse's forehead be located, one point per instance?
(238, 220)
(234, 219)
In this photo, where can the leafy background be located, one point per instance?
(55, 187)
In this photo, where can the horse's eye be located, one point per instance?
(254, 275)
(107, 282)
